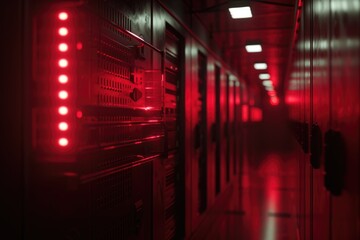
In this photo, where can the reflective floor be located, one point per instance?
(263, 206)
(268, 198)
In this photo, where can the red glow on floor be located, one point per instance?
(70, 174)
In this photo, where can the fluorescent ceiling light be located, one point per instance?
(260, 66)
(240, 12)
(267, 83)
(264, 76)
(253, 48)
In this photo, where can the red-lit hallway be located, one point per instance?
(180, 120)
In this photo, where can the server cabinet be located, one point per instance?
(173, 110)
(97, 122)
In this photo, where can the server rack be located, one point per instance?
(98, 123)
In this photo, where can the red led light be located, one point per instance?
(63, 16)
(63, 142)
(63, 47)
(79, 114)
(63, 94)
(63, 126)
(63, 31)
(63, 63)
(63, 78)
(79, 46)
(63, 110)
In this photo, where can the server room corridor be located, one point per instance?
(180, 120)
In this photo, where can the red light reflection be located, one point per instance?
(256, 114)
(274, 100)
(245, 113)
(271, 93)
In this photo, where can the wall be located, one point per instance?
(323, 91)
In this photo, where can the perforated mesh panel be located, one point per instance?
(119, 205)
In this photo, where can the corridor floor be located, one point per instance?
(263, 206)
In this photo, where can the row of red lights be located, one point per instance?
(274, 100)
(63, 79)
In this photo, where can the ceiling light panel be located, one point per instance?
(267, 83)
(264, 76)
(260, 66)
(253, 48)
(240, 12)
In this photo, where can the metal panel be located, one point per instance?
(344, 117)
(328, 56)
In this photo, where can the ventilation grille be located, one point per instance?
(109, 192)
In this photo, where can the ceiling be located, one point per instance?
(272, 25)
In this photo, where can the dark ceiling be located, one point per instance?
(272, 25)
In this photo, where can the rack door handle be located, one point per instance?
(335, 162)
(316, 145)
